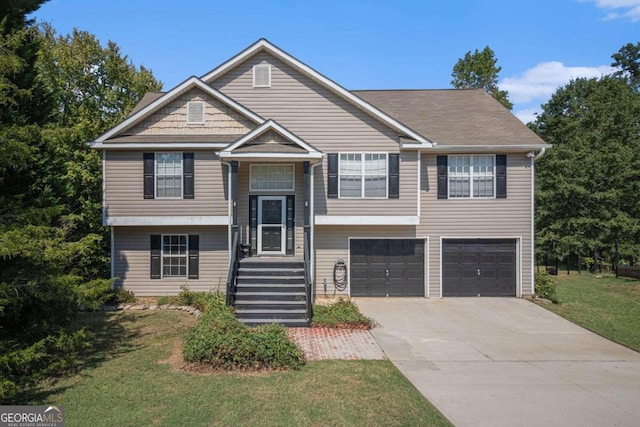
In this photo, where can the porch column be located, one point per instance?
(234, 194)
(307, 195)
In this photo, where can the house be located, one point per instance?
(421, 193)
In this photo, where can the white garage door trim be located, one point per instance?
(426, 257)
(518, 256)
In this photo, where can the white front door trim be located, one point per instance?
(283, 225)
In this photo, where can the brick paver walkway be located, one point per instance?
(345, 344)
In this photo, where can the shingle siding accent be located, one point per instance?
(132, 260)
(124, 194)
(172, 118)
(510, 217)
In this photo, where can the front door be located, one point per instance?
(271, 225)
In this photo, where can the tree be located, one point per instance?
(588, 185)
(91, 85)
(627, 59)
(479, 70)
(56, 94)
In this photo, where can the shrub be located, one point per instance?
(341, 314)
(22, 367)
(222, 342)
(546, 287)
(200, 300)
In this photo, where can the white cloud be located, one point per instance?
(541, 81)
(527, 115)
(619, 9)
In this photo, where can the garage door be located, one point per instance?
(478, 267)
(387, 267)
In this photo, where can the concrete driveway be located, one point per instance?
(507, 362)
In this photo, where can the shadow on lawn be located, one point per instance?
(114, 335)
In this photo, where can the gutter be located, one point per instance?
(533, 157)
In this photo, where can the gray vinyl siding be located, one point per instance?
(124, 188)
(327, 122)
(332, 244)
(132, 260)
(243, 202)
(477, 218)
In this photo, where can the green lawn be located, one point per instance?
(605, 305)
(132, 378)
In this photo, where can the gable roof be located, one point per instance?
(144, 111)
(299, 149)
(147, 99)
(456, 117)
(264, 45)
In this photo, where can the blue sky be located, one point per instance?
(371, 44)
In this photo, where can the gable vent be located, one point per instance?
(262, 75)
(195, 112)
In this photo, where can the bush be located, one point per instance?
(200, 300)
(222, 342)
(92, 295)
(546, 287)
(22, 367)
(341, 314)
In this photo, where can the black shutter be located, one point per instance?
(187, 175)
(194, 256)
(332, 175)
(149, 167)
(253, 224)
(291, 203)
(394, 175)
(501, 176)
(156, 253)
(443, 179)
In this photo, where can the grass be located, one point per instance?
(341, 314)
(606, 305)
(132, 377)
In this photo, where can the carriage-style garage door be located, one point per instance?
(479, 267)
(387, 267)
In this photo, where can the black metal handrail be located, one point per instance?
(233, 269)
(307, 271)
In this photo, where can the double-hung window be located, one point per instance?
(472, 176)
(363, 175)
(169, 175)
(174, 255)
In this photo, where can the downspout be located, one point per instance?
(533, 157)
(312, 213)
(229, 208)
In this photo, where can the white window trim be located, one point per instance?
(156, 175)
(186, 276)
(255, 67)
(259, 190)
(471, 196)
(362, 154)
(191, 122)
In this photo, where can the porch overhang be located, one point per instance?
(271, 157)
(270, 142)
